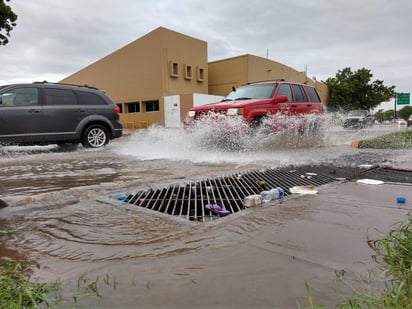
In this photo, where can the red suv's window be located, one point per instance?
(300, 95)
(312, 94)
(284, 89)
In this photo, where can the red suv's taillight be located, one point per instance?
(117, 110)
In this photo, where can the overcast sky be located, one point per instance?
(54, 39)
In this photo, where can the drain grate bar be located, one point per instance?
(189, 200)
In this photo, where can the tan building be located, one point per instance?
(237, 71)
(158, 77)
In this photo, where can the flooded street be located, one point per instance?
(159, 154)
(53, 204)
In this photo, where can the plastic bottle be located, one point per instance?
(272, 195)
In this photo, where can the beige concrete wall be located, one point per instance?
(134, 72)
(224, 74)
(185, 52)
(141, 71)
(186, 102)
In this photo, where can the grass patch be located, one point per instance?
(397, 140)
(18, 290)
(392, 288)
(393, 254)
(7, 232)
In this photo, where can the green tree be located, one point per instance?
(382, 116)
(354, 90)
(405, 112)
(389, 115)
(379, 116)
(7, 21)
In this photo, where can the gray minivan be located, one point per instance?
(50, 113)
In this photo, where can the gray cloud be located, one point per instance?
(56, 38)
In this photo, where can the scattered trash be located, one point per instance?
(365, 166)
(370, 181)
(7, 232)
(401, 199)
(261, 183)
(3, 204)
(272, 195)
(30, 199)
(355, 144)
(303, 190)
(308, 175)
(217, 209)
(121, 197)
(252, 200)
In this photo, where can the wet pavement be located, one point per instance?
(259, 257)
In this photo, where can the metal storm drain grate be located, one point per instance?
(192, 200)
(388, 174)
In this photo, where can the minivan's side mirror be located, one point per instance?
(281, 99)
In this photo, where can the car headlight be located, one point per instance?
(234, 111)
(191, 114)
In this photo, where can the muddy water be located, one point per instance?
(62, 221)
(165, 153)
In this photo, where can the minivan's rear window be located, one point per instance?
(55, 96)
(88, 98)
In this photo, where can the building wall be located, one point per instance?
(142, 71)
(188, 55)
(165, 63)
(226, 73)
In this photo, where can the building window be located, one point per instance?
(188, 71)
(174, 69)
(133, 107)
(200, 74)
(120, 106)
(151, 106)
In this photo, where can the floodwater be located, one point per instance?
(52, 192)
(160, 154)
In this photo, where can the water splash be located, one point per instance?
(231, 140)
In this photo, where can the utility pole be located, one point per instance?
(396, 102)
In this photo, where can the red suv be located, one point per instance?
(257, 101)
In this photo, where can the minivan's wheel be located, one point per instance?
(95, 136)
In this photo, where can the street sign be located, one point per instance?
(403, 98)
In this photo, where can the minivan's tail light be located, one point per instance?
(117, 110)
